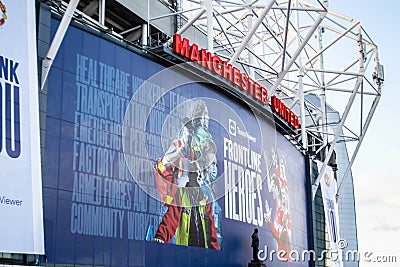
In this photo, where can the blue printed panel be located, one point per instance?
(111, 116)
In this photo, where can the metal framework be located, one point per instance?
(297, 48)
(300, 47)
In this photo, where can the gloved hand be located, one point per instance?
(267, 214)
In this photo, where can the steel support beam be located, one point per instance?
(310, 33)
(300, 81)
(145, 34)
(174, 13)
(361, 138)
(363, 132)
(286, 34)
(333, 42)
(210, 31)
(102, 12)
(191, 21)
(250, 43)
(336, 137)
(251, 31)
(187, 25)
(56, 43)
(322, 95)
(342, 121)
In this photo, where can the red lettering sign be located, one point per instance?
(227, 71)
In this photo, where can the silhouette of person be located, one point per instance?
(255, 242)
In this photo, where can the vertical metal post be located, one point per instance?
(264, 51)
(301, 89)
(102, 12)
(302, 109)
(148, 24)
(145, 36)
(250, 43)
(322, 96)
(210, 29)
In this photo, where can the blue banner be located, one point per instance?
(147, 166)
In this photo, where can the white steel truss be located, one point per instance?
(300, 48)
(296, 48)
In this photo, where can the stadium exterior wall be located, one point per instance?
(89, 221)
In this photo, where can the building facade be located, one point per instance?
(158, 150)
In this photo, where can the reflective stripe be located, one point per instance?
(182, 232)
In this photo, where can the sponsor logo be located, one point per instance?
(246, 135)
(236, 130)
(232, 127)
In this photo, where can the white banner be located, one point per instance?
(21, 219)
(329, 189)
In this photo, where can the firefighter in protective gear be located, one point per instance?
(190, 216)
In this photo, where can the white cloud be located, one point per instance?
(378, 216)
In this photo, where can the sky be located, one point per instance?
(376, 169)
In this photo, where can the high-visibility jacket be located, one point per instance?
(179, 218)
(182, 232)
(177, 221)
